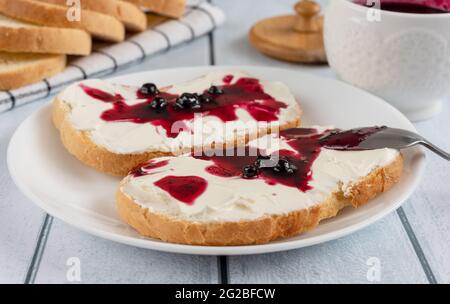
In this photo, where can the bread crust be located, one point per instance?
(42, 66)
(258, 231)
(170, 8)
(79, 144)
(99, 25)
(128, 13)
(45, 40)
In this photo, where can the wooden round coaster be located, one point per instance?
(295, 38)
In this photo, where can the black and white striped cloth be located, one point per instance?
(200, 18)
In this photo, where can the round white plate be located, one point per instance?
(84, 198)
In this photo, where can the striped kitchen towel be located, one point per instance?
(200, 18)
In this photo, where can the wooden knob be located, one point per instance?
(307, 16)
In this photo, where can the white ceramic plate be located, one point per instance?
(84, 198)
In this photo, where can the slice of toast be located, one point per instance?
(100, 25)
(170, 8)
(130, 15)
(22, 37)
(209, 201)
(113, 129)
(154, 20)
(17, 70)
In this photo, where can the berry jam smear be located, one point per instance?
(220, 101)
(184, 188)
(144, 169)
(291, 168)
(410, 7)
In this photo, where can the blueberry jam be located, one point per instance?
(184, 188)
(220, 101)
(289, 168)
(144, 169)
(343, 140)
(101, 95)
(228, 79)
(411, 7)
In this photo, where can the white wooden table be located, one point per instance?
(411, 245)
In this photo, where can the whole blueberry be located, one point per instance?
(215, 90)
(195, 104)
(285, 166)
(260, 160)
(249, 171)
(188, 101)
(178, 105)
(149, 89)
(158, 103)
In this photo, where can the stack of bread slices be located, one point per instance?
(37, 35)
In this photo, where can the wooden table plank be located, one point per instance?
(20, 219)
(428, 209)
(341, 261)
(104, 261)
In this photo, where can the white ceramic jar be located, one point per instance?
(403, 58)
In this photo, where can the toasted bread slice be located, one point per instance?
(23, 37)
(100, 25)
(130, 15)
(203, 201)
(170, 8)
(17, 70)
(117, 145)
(155, 19)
